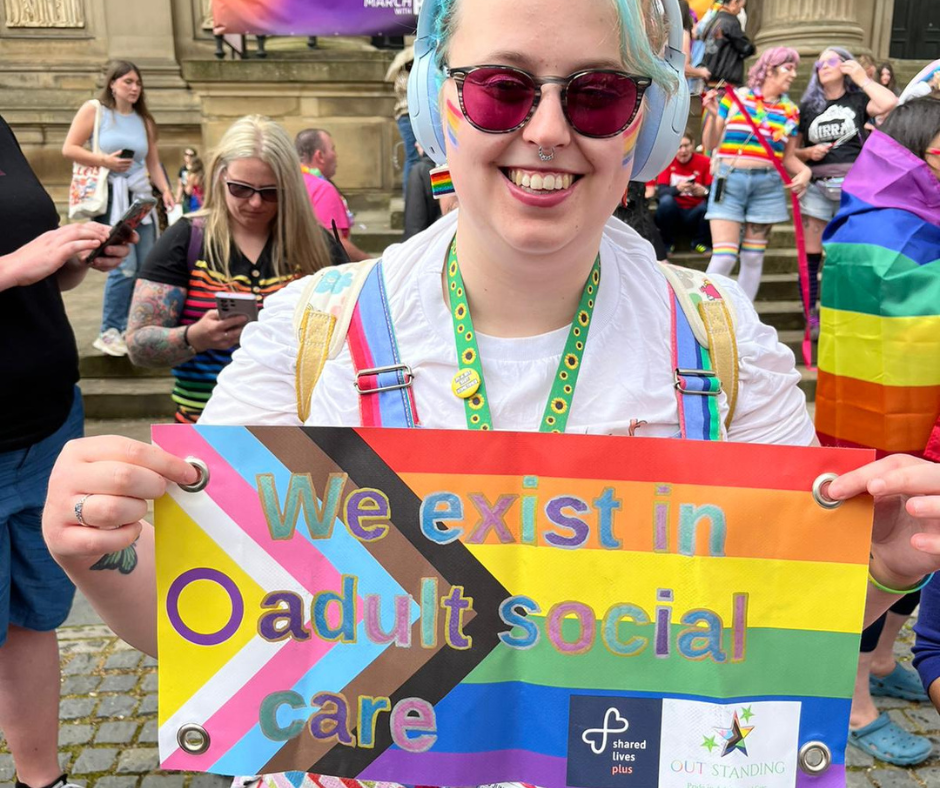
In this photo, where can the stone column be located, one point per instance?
(811, 25)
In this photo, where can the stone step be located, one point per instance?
(776, 261)
(782, 315)
(128, 398)
(96, 365)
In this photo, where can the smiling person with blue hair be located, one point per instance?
(526, 309)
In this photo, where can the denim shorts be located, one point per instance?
(750, 195)
(815, 203)
(34, 591)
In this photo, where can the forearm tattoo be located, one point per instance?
(125, 561)
(154, 336)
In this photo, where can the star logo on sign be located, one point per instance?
(734, 736)
(709, 743)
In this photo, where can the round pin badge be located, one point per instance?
(466, 383)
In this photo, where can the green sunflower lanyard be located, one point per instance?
(468, 383)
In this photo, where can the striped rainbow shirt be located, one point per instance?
(778, 121)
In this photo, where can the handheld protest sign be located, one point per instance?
(446, 607)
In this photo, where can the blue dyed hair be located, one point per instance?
(814, 99)
(641, 54)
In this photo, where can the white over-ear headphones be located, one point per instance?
(664, 121)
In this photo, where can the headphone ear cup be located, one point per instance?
(664, 122)
(423, 92)
(423, 107)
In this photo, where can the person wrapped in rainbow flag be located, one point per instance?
(879, 363)
(879, 346)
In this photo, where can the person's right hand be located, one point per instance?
(819, 152)
(116, 477)
(213, 332)
(710, 101)
(47, 253)
(115, 163)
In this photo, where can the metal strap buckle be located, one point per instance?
(697, 373)
(406, 382)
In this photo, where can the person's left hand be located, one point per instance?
(854, 71)
(905, 541)
(168, 201)
(113, 255)
(800, 181)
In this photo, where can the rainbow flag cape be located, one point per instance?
(879, 343)
(443, 607)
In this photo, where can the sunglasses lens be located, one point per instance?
(497, 99)
(268, 195)
(601, 104)
(239, 190)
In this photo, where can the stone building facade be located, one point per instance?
(53, 52)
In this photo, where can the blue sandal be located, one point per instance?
(899, 683)
(889, 742)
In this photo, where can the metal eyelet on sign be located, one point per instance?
(814, 758)
(821, 491)
(193, 739)
(202, 481)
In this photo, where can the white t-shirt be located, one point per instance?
(626, 380)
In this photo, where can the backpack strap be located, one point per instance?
(348, 303)
(701, 304)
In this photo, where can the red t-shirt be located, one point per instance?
(676, 173)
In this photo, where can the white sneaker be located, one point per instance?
(111, 342)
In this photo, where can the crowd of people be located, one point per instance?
(541, 144)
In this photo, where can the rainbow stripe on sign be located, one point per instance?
(441, 182)
(457, 608)
(879, 345)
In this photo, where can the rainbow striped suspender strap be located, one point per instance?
(347, 303)
(704, 352)
(382, 380)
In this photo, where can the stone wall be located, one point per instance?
(53, 52)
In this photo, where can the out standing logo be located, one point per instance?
(613, 742)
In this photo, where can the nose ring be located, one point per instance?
(546, 156)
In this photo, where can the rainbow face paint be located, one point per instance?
(453, 119)
(630, 137)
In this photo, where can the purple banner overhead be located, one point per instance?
(317, 17)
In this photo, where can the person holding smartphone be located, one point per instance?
(254, 234)
(42, 409)
(128, 133)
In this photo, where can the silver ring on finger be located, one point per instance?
(79, 507)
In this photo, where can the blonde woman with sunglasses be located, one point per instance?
(258, 234)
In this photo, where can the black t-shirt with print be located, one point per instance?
(39, 357)
(841, 118)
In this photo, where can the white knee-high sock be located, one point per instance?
(724, 256)
(752, 265)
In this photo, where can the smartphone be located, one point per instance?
(231, 304)
(126, 153)
(719, 189)
(124, 229)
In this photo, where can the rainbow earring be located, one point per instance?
(441, 182)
